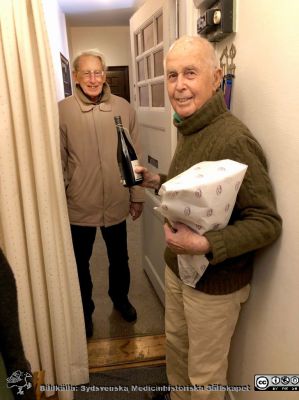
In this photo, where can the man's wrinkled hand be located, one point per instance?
(150, 180)
(183, 240)
(136, 210)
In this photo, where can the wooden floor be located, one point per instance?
(129, 352)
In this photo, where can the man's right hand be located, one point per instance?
(150, 180)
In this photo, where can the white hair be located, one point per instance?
(90, 52)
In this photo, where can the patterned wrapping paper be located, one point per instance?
(202, 198)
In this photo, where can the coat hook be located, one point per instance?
(228, 71)
(223, 66)
(232, 55)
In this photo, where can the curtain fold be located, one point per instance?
(34, 225)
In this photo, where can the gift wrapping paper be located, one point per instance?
(203, 198)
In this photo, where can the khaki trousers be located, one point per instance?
(199, 328)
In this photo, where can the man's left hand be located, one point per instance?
(136, 210)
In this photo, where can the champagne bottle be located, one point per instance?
(126, 157)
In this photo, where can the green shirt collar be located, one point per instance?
(203, 116)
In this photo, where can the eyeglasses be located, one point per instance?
(96, 74)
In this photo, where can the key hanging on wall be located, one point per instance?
(228, 71)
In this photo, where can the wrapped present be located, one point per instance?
(202, 198)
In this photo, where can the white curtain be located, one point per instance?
(34, 227)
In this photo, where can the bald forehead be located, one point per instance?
(200, 48)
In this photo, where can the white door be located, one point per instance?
(153, 29)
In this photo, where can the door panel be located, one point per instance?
(152, 30)
(153, 245)
(118, 80)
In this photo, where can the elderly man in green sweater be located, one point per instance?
(200, 321)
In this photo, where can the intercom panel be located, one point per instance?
(216, 19)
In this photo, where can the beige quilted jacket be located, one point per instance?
(95, 195)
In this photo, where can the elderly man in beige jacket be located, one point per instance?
(95, 195)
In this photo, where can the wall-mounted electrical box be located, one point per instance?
(216, 19)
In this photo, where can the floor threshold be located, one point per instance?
(116, 353)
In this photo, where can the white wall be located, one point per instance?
(56, 27)
(265, 98)
(113, 42)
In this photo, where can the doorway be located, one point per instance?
(158, 141)
(150, 39)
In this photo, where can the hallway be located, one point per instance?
(107, 321)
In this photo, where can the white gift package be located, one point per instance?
(202, 198)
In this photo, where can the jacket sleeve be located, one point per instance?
(255, 222)
(63, 148)
(136, 192)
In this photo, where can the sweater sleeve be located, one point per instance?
(255, 222)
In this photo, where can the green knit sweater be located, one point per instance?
(212, 133)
